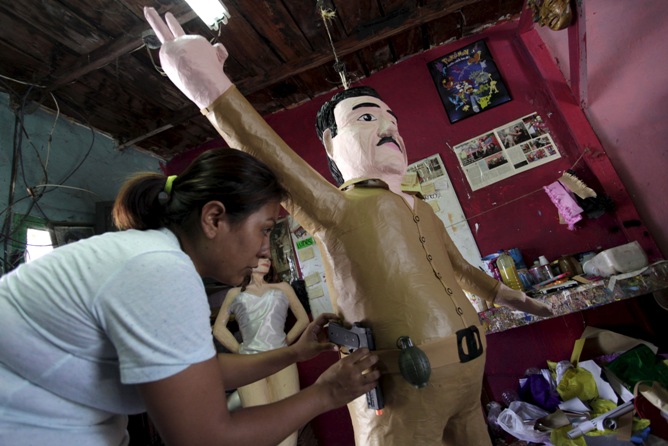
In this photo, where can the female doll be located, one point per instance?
(260, 307)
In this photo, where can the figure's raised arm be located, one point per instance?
(196, 68)
(190, 61)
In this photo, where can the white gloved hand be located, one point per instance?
(517, 300)
(191, 62)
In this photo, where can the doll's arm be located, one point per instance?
(220, 330)
(298, 310)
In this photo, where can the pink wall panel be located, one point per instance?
(512, 213)
(627, 93)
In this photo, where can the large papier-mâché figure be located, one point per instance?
(388, 258)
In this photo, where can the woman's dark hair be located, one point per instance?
(325, 120)
(271, 277)
(242, 183)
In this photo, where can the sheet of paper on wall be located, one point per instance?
(320, 305)
(433, 176)
(505, 151)
(315, 292)
(312, 279)
(428, 188)
(306, 254)
(312, 269)
(410, 183)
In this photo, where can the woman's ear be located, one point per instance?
(213, 218)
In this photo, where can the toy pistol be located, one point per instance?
(354, 338)
(606, 421)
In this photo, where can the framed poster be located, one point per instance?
(468, 81)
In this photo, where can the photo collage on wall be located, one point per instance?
(506, 151)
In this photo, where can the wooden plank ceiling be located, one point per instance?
(89, 56)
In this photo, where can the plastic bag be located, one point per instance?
(537, 390)
(577, 383)
(518, 420)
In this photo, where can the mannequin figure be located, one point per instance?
(389, 261)
(260, 306)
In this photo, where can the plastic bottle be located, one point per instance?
(506, 266)
(493, 411)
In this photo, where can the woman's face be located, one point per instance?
(240, 248)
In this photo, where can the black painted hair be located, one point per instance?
(325, 120)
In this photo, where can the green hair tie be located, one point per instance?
(168, 183)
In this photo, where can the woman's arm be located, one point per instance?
(297, 309)
(190, 408)
(239, 370)
(220, 330)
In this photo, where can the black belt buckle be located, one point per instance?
(473, 343)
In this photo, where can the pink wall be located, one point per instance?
(627, 95)
(512, 213)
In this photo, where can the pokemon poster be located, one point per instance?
(468, 81)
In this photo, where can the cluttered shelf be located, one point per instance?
(583, 297)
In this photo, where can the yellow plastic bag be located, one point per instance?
(577, 383)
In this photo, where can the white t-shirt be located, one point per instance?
(81, 326)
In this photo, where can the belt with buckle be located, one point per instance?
(465, 345)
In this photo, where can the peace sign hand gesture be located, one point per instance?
(190, 61)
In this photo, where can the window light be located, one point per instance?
(212, 12)
(38, 243)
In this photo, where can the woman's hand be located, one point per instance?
(349, 378)
(314, 339)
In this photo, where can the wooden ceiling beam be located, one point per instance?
(106, 54)
(363, 38)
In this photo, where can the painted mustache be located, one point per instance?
(385, 139)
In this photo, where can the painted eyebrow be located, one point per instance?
(371, 104)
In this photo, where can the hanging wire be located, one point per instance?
(156, 66)
(340, 67)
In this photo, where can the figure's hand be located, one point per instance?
(350, 377)
(313, 340)
(517, 300)
(191, 62)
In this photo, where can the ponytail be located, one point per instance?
(242, 183)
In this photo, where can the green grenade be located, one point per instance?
(413, 363)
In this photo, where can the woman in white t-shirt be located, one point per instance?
(118, 323)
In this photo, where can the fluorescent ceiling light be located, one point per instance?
(212, 12)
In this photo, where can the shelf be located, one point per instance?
(583, 297)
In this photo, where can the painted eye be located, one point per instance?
(368, 117)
